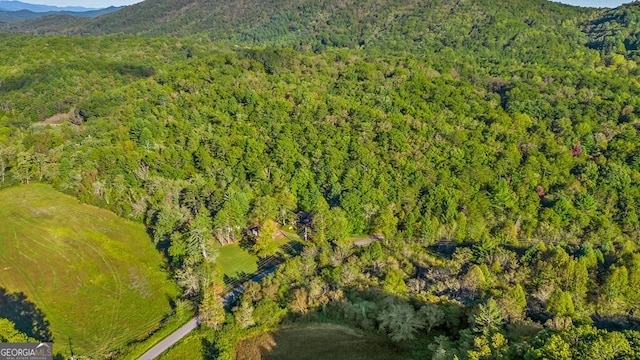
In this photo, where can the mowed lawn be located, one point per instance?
(234, 261)
(98, 278)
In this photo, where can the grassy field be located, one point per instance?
(183, 313)
(234, 260)
(318, 341)
(283, 237)
(97, 278)
(188, 348)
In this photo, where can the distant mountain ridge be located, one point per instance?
(12, 17)
(13, 12)
(402, 25)
(13, 5)
(333, 22)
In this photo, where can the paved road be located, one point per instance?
(227, 300)
(369, 240)
(363, 242)
(176, 336)
(232, 294)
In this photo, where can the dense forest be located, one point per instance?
(492, 146)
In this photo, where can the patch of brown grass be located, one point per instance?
(254, 348)
(60, 118)
(319, 341)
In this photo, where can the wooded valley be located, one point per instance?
(491, 147)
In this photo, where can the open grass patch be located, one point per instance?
(235, 261)
(318, 341)
(183, 313)
(284, 240)
(189, 347)
(96, 277)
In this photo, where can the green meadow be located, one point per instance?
(97, 278)
(188, 348)
(235, 261)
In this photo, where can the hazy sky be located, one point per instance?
(105, 3)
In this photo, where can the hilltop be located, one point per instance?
(524, 29)
(329, 22)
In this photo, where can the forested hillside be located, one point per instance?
(398, 23)
(492, 146)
